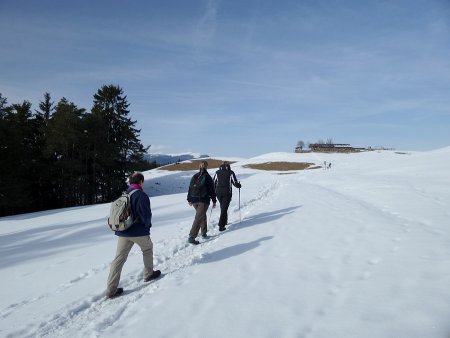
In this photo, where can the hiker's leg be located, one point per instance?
(196, 224)
(204, 223)
(224, 210)
(146, 245)
(221, 218)
(197, 220)
(124, 246)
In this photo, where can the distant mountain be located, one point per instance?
(167, 159)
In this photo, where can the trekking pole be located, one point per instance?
(210, 213)
(240, 217)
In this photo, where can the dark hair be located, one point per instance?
(203, 166)
(136, 178)
(225, 165)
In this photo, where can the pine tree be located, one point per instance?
(5, 154)
(4, 109)
(47, 107)
(43, 191)
(121, 148)
(18, 158)
(65, 149)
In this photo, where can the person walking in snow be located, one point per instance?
(223, 179)
(138, 233)
(200, 193)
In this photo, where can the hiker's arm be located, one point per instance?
(144, 211)
(235, 181)
(211, 191)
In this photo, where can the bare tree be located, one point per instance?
(300, 144)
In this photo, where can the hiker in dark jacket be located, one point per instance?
(224, 178)
(138, 233)
(201, 192)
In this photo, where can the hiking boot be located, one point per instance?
(222, 228)
(204, 236)
(153, 276)
(192, 240)
(118, 292)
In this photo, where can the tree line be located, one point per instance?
(61, 155)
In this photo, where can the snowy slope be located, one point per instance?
(360, 250)
(172, 158)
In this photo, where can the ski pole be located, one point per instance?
(240, 217)
(210, 213)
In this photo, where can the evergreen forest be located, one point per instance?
(61, 155)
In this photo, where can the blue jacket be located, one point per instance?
(142, 213)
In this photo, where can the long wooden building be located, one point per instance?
(331, 148)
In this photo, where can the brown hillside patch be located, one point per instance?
(279, 166)
(193, 165)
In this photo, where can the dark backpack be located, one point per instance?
(197, 187)
(223, 179)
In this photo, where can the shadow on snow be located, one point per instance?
(46, 241)
(232, 251)
(261, 218)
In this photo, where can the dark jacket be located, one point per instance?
(210, 195)
(223, 179)
(142, 213)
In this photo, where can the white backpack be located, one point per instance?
(120, 215)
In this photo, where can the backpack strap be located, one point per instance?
(132, 192)
(135, 218)
(128, 194)
(199, 176)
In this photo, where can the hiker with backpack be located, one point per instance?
(138, 233)
(200, 193)
(223, 179)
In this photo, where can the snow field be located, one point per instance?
(361, 250)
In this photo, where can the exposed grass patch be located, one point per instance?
(193, 165)
(279, 166)
(215, 163)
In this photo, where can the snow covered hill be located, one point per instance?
(360, 250)
(167, 159)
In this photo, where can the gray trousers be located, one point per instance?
(200, 221)
(124, 245)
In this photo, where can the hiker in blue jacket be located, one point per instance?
(201, 192)
(138, 233)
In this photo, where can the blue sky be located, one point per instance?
(242, 77)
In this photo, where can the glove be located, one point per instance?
(238, 185)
